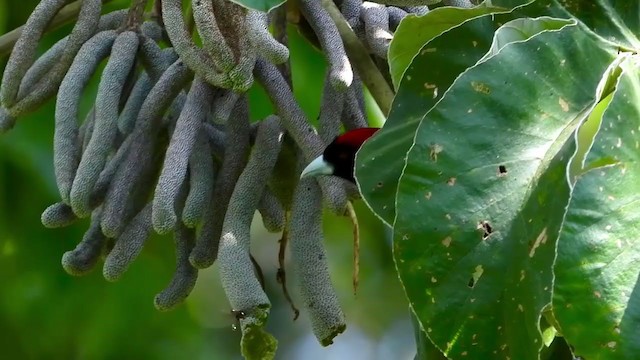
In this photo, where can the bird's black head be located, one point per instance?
(338, 158)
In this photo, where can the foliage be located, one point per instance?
(509, 177)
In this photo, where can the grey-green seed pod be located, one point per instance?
(241, 76)
(331, 106)
(84, 257)
(350, 9)
(176, 160)
(24, 51)
(309, 262)
(109, 90)
(184, 279)
(418, 10)
(155, 59)
(223, 104)
(376, 25)
(58, 215)
(331, 42)
(185, 276)
(353, 113)
(201, 179)
(212, 39)
(86, 129)
(83, 30)
(237, 148)
(144, 138)
(193, 56)
(272, 212)
(236, 270)
(6, 121)
(458, 3)
(152, 30)
(395, 16)
(41, 66)
(129, 114)
(258, 33)
(217, 140)
(66, 144)
(297, 125)
(128, 245)
(106, 176)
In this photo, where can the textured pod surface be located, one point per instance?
(58, 215)
(128, 245)
(303, 133)
(67, 149)
(194, 57)
(105, 130)
(331, 106)
(212, 40)
(272, 213)
(327, 32)
(24, 51)
(235, 158)
(147, 127)
(309, 262)
(84, 28)
(201, 179)
(236, 270)
(267, 46)
(177, 157)
(376, 25)
(84, 257)
(129, 114)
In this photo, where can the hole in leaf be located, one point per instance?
(475, 276)
(486, 229)
(502, 170)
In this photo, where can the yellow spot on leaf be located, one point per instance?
(563, 104)
(541, 239)
(447, 241)
(480, 87)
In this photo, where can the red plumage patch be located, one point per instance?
(356, 137)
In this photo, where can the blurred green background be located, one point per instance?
(46, 313)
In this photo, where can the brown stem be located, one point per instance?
(65, 15)
(351, 213)
(136, 14)
(281, 275)
(258, 270)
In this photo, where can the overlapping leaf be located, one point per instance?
(483, 194)
(437, 65)
(596, 294)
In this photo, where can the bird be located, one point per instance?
(338, 158)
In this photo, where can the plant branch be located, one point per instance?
(136, 13)
(65, 15)
(359, 56)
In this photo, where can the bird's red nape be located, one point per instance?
(356, 137)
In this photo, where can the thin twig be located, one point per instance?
(258, 270)
(351, 213)
(281, 275)
(64, 16)
(360, 59)
(136, 14)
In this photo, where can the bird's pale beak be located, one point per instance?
(317, 167)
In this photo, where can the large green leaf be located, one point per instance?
(425, 82)
(615, 20)
(483, 194)
(261, 5)
(415, 31)
(433, 70)
(596, 293)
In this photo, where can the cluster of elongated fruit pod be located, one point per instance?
(169, 147)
